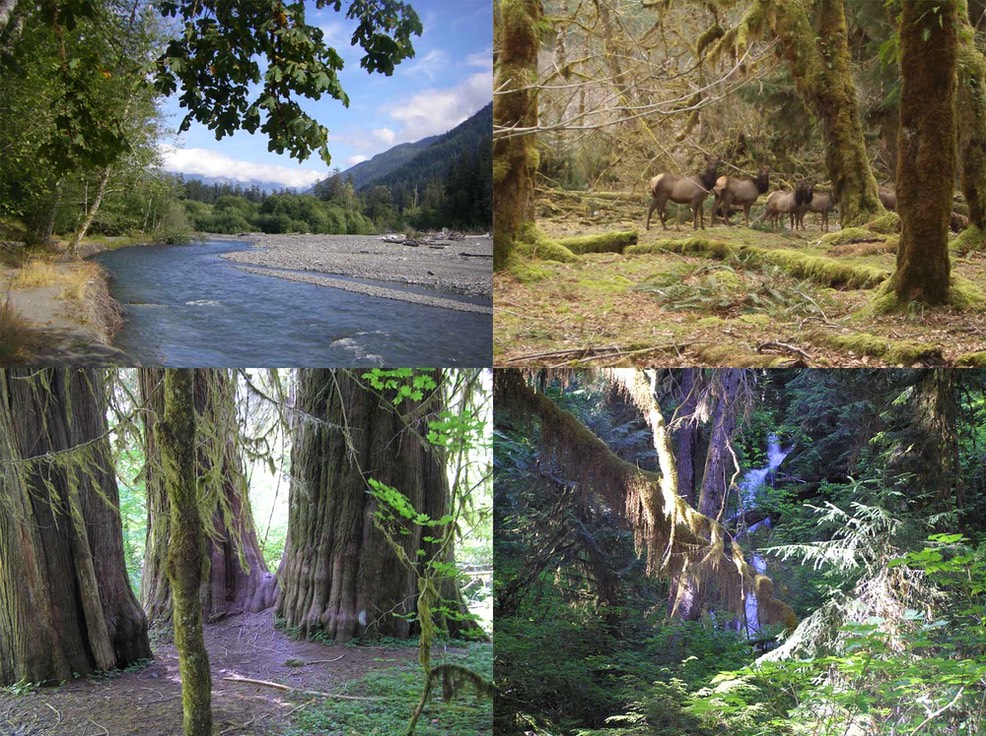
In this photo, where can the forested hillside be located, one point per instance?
(181, 549)
(440, 181)
(740, 552)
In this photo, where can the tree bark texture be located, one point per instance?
(971, 125)
(686, 433)
(186, 548)
(515, 105)
(821, 66)
(339, 575)
(237, 578)
(65, 601)
(926, 150)
(716, 475)
(675, 539)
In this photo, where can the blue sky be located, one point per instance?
(449, 79)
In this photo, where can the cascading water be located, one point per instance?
(749, 485)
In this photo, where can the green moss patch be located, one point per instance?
(612, 242)
(972, 360)
(888, 224)
(852, 235)
(820, 269)
(737, 357)
(898, 352)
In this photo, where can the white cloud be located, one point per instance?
(353, 160)
(482, 59)
(202, 162)
(385, 136)
(434, 111)
(428, 65)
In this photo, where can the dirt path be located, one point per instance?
(148, 702)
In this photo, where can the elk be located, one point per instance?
(821, 202)
(888, 197)
(793, 203)
(743, 193)
(691, 190)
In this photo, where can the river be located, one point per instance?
(187, 306)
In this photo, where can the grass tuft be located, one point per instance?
(16, 335)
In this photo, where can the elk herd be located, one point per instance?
(731, 192)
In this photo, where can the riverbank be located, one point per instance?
(58, 313)
(457, 267)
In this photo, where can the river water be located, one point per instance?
(187, 306)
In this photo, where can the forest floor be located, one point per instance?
(768, 308)
(146, 701)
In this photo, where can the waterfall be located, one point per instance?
(751, 482)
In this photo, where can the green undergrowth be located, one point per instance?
(398, 690)
(819, 269)
(898, 352)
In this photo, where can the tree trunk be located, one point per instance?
(821, 65)
(686, 432)
(66, 606)
(104, 181)
(186, 548)
(971, 127)
(926, 150)
(515, 105)
(715, 478)
(339, 576)
(237, 580)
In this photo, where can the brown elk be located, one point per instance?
(793, 203)
(743, 193)
(821, 202)
(691, 190)
(888, 197)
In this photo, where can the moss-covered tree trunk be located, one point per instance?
(238, 580)
(821, 66)
(65, 601)
(970, 95)
(515, 106)
(339, 575)
(926, 149)
(186, 548)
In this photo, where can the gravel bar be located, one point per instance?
(458, 266)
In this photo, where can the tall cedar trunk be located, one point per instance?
(186, 548)
(65, 602)
(339, 576)
(926, 150)
(515, 105)
(821, 66)
(238, 580)
(687, 433)
(970, 95)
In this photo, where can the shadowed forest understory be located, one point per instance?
(207, 552)
(740, 552)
